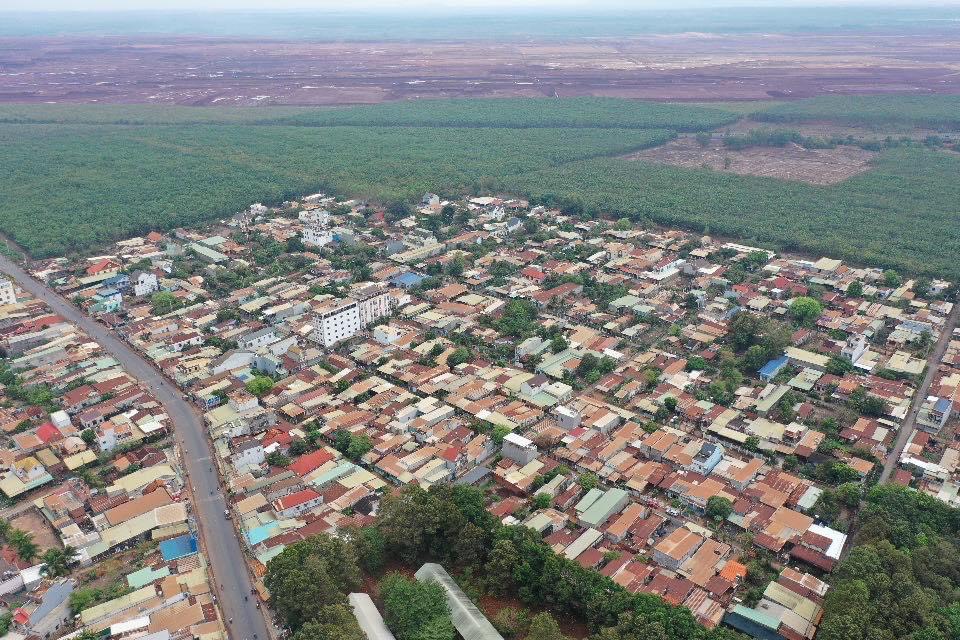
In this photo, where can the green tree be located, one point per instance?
(81, 599)
(470, 547)
(299, 447)
(333, 622)
(755, 357)
(369, 546)
(512, 622)
(558, 343)
(499, 433)
(891, 278)
(499, 570)
(670, 403)
(88, 436)
(259, 386)
(310, 575)
(277, 459)
(398, 210)
(56, 562)
(22, 542)
(855, 289)
(839, 366)
(456, 266)
(359, 446)
(542, 501)
(718, 508)
(805, 310)
(412, 607)
(460, 356)
(588, 481)
(164, 302)
(544, 627)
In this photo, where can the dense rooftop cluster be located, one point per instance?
(693, 418)
(97, 534)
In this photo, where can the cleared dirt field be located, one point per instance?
(688, 67)
(792, 162)
(43, 534)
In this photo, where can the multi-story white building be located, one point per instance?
(7, 293)
(373, 302)
(336, 320)
(315, 231)
(341, 319)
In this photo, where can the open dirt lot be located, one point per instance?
(692, 67)
(43, 534)
(793, 162)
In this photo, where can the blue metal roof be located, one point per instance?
(409, 279)
(772, 367)
(179, 547)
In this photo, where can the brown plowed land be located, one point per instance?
(218, 71)
(792, 162)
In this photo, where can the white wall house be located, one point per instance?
(7, 293)
(519, 449)
(144, 283)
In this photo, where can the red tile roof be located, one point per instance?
(307, 463)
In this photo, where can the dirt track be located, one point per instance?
(211, 71)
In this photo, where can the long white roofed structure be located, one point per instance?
(467, 618)
(368, 617)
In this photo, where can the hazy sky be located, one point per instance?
(405, 5)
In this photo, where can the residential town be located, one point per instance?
(98, 528)
(692, 418)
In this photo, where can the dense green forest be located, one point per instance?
(604, 113)
(524, 112)
(936, 112)
(76, 176)
(900, 581)
(66, 187)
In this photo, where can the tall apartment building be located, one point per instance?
(373, 302)
(341, 319)
(315, 231)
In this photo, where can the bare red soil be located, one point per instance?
(210, 71)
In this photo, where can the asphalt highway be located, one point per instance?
(224, 551)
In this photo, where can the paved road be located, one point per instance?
(224, 550)
(906, 429)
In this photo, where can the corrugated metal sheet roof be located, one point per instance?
(467, 618)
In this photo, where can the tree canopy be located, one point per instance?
(308, 577)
